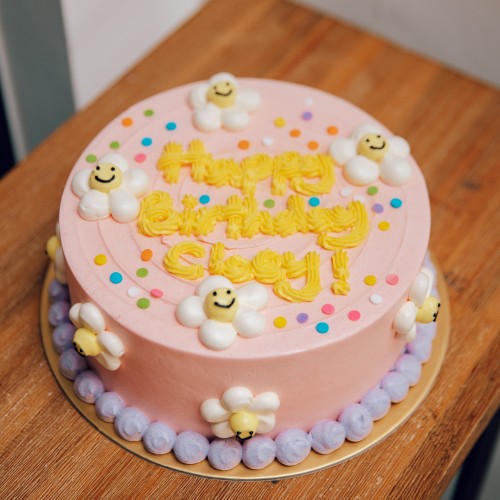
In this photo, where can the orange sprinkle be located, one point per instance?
(295, 133)
(243, 144)
(312, 145)
(147, 254)
(332, 130)
(126, 122)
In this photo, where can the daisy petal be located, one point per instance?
(249, 322)
(266, 423)
(253, 295)
(212, 411)
(217, 335)
(237, 399)
(91, 317)
(212, 283)
(222, 430)
(190, 312)
(265, 402)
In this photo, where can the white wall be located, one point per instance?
(464, 34)
(106, 37)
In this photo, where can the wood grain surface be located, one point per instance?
(453, 124)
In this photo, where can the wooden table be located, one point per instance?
(453, 125)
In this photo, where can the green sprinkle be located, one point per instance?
(91, 158)
(142, 272)
(372, 190)
(143, 303)
(269, 203)
(114, 145)
(149, 112)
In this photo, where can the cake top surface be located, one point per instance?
(122, 270)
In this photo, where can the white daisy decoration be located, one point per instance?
(367, 155)
(422, 307)
(221, 312)
(220, 103)
(111, 188)
(238, 413)
(55, 252)
(91, 337)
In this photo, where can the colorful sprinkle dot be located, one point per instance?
(100, 260)
(372, 190)
(308, 101)
(302, 318)
(279, 322)
(114, 145)
(267, 141)
(204, 199)
(332, 130)
(91, 158)
(384, 226)
(312, 145)
(392, 279)
(345, 192)
(376, 299)
(370, 280)
(314, 202)
(171, 126)
(155, 293)
(243, 144)
(126, 122)
(279, 122)
(360, 198)
(307, 115)
(140, 157)
(115, 278)
(378, 208)
(147, 141)
(354, 315)
(142, 272)
(269, 203)
(396, 203)
(328, 309)
(133, 292)
(149, 112)
(143, 303)
(295, 132)
(322, 327)
(147, 254)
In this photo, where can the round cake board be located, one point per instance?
(397, 415)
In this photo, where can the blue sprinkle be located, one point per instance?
(396, 203)
(171, 126)
(204, 199)
(147, 141)
(314, 202)
(115, 278)
(322, 327)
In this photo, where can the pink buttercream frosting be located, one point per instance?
(166, 371)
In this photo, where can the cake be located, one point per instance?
(246, 266)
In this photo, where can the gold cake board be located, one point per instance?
(397, 415)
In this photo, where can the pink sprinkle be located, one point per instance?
(328, 309)
(354, 315)
(140, 157)
(156, 293)
(392, 279)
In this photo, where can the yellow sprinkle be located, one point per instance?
(384, 226)
(370, 280)
(280, 322)
(100, 259)
(279, 122)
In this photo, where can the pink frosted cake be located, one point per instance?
(244, 259)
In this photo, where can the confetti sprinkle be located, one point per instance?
(360, 198)
(332, 130)
(302, 317)
(143, 303)
(157, 294)
(115, 278)
(269, 203)
(384, 226)
(100, 260)
(308, 101)
(354, 315)
(243, 144)
(322, 328)
(312, 145)
(127, 122)
(307, 115)
(396, 203)
(91, 158)
(142, 272)
(147, 254)
(370, 280)
(295, 132)
(372, 190)
(204, 199)
(148, 112)
(328, 309)
(267, 141)
(133, 292)
(376, 299)
(392, 279)
(147, 141)
(114, 145)
(377, 208)
(171, 126)
(345, 192)
(279, 122)
(314, 202)
(140, 157)
(279, 322)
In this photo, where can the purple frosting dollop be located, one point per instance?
(131, 424)
(71, 364)
(159, 438)
(327, 436)
(357, 421)
(191, 447)
(59, 313)
(224, 454)
(57, 292)
(292, 446)
(409, 366)
(396, 385)
(108, 406)
(258, 452)
(88, 386)
(377, 402)
(62, 337)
